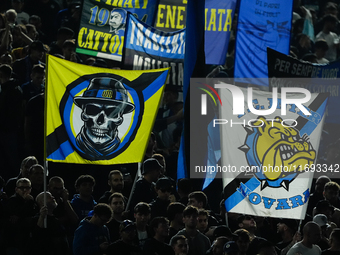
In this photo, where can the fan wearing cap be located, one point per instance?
(144, 189)
(230, 248)
(287, 229)
(103, 105)
(160, 205)
(326, 229)
(92, 236)
(248, 223)
(125, 246)
(23, 67)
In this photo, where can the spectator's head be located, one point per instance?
(334, 239)
(18, 5)
(184, 187)
(230, 248)
(320, 183)
(324, 207)
(56, 187)
(116, 201)
(310, 57)
(179, 244)
(175, 212)
(331, 8)
(329, 22)
(218, 245)
(224, 231)
(32, 32)
(331, 192)
(36, 51)
(190, 217)
(161, 161)
(311, 233)
(159, 228)
(322, 221)
(84, 185)
(64, 33)
(38, 74)
(243, 240)
(5, 73)
(198, 199)
(11, 16)
(266, 248)
(6, 59)
(36, 175)
(116, 181)
(151, 169)
(321, 47)
(287, 225)
(23, 187)
(102, 214)
(127, 230)
(26, 165)
(202, 222)
(69, 48)
(163, 188)
(50, 201)
(247, 222)
(36, 21)
(142, 213)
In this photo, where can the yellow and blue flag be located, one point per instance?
(99, 115)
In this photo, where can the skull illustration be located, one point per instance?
(103, 104)
(101, 122)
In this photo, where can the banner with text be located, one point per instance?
(102, 25)
(218, 23)
(171, 15)
(148, 48)
(281, 67)
(261, 24)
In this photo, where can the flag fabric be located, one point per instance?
(193, 62)
(269, 159)
(102, 25)
(148, 48)
(171, 15)
(261, 24)
(218, 24)
(98, 115)
(319, 78)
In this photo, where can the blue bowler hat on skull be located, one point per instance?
(105, 90)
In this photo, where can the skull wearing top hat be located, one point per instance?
(103, 104)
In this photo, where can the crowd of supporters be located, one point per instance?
(157, 214)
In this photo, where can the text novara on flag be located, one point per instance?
(271, 155)
(148, 48)
(98, 115)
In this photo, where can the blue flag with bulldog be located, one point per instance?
(98, 115)
(269, 148)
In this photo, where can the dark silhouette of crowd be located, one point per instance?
(102, 210)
